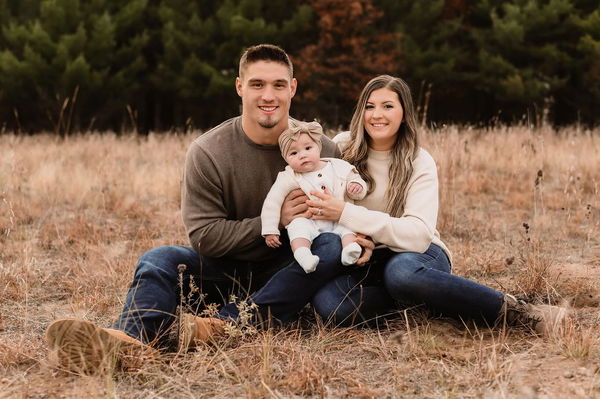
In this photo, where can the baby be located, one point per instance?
(300, 146)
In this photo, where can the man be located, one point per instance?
(228, 172)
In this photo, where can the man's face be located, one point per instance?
(266, 89)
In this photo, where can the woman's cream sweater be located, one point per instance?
(416, 229)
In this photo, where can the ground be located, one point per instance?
(519, 209)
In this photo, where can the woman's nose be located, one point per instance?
(376, 113)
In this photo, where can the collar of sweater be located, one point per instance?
(379, 155)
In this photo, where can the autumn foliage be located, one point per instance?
(349, 52)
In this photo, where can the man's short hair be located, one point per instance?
(265, 52)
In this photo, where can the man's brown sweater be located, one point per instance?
(226, 179)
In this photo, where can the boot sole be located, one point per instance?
(80, 346)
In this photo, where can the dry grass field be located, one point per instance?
(520, 209)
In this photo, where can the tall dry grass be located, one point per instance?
(519, 210)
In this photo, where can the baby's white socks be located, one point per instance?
(350, 254)
(306, 259)
(309, 262)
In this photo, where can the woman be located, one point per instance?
(399, 213)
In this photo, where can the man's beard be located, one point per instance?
(268, 123)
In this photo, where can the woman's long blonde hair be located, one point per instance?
(405, 148)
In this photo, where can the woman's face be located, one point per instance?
(383, 115)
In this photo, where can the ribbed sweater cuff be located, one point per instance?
(352, 217)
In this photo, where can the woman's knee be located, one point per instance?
(402, 271)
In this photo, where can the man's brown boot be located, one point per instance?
(82, 347)
(543, 319)
(195, 330)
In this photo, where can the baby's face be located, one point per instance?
(304, 155)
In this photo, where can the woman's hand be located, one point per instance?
(326, 207)
(367, 245)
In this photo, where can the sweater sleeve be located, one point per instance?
(415, 229)
(271, 210)
(204, 213)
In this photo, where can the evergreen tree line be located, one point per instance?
(78, 65)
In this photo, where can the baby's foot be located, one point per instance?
(350, 254)
(306, 259)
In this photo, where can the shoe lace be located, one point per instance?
(518, 312)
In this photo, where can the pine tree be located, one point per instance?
(202, 45)
(70, 64)
(487, 59)
(529, 55)
(435, 51)
(581, 97)
(73, 64)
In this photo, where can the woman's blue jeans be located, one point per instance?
(279, 287)
(405, 277)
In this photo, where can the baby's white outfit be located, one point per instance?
(334, 177)
(310, 228)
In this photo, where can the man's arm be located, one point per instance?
(204, 214)
(330, 149)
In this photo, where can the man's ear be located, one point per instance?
(294, 86)
(238, 86)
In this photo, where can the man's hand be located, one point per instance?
(368, 245)
(272, 240)
(354, 188)
(294, 206)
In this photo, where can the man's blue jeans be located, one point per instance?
(280, 286)
(393, 277)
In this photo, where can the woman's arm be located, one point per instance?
(413, 231)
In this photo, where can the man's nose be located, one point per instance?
(268, 94)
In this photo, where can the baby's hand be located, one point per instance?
(354, 188)
(272, 240)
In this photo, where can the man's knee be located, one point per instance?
(165, 260)
(332, 313)
(333, 306)
(328, 247)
